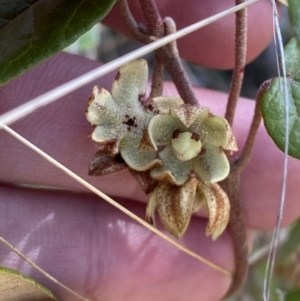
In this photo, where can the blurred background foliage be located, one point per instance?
(103, 44)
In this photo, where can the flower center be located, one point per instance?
(186, 145)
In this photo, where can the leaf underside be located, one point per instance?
(273, 103)
(34, 30)
(17, 287)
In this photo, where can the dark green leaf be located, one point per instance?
(17, 287)
(294, 13)
(292, 295)
(33, 30)
(273, 104)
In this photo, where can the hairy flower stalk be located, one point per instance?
(175, 150)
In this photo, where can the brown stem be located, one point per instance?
(231, 186)
(244, 158)
(232, 183)
(157, 77)
(168, 54)
(175, 69)
(240, 61)
(131, 23)
(238, 230)
(153, 18)
(170, 27)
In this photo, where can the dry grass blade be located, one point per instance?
(4, 241)
(112, 202)
(275, 236)
(53, 95)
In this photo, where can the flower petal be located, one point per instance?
(216, 130)
(161, 128)
(101, 107)
(107, 133)
(163, 104)
(175, 205)
(187, 113)
(173, 170)
(130, 84)
(218, 209)
(137, 160)
(213, 165)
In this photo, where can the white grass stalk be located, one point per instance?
(53, 95)
(275, 236)
(111, 201)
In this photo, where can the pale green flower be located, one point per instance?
(191, 143)
(180, 146)
(121, 118)
(188, 139)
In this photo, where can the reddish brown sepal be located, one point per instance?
(103, 163)
(147, 183)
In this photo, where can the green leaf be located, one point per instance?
(291, 244)
(17, 287)
(294, 13)
(292, 295)
(292, 59)
(273, 103)
(34, 30)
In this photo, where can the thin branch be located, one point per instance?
(157, 77)
(153, 18)
(238, 230)
(240, 61)
(132, 25)
(169, 28)
(232, 183)
(174, 67)
(43, 272)
(169, 55)
(244, 158)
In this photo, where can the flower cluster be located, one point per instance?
(179, 146)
